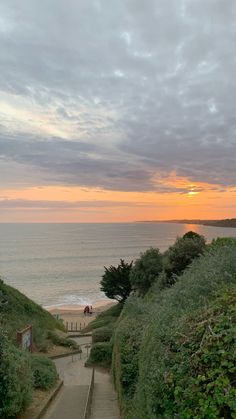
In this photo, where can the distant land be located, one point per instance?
(228, 222)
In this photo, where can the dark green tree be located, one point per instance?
(182, 253)
(115, 281)
(146, 270)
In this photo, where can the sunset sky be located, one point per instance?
(117, 110)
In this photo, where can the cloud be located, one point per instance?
(118, 95)
(66, 205)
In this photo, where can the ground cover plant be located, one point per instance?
(102, 330)
(44, 372)
(17, 311)
(16, 381)
(174, 349)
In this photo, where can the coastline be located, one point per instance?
(75, 313)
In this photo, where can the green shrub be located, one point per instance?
(163, 367)
(99, 322)
(223, 241)
(183, 252)
(62, 341)
(17, 311)
(146, 270)
(201, 377)
(127, 340)
(101, 354)
(44, 372)
(102, 334)
(15, 379)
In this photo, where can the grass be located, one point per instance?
(17, 311)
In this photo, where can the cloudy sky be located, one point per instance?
(117, 110)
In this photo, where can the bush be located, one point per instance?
(127, 341)
(201, 364)
(223, 241)
(106, 318)
(62, 341)
(44, 372)
(146, 270)
(101, 354)
(102, 334)
(183, 252)
(15, 379)
(174, 345)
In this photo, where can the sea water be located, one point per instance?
(62, 264)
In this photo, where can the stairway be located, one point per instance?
(104, 403)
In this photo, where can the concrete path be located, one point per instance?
(71, 400)
(104, 404)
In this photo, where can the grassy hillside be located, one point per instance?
(17, 311)
(21, 372)
(174, 350)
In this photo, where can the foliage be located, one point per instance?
(17, 311)
(102, 334)
(106, 318)
(174, 350)
(127, 340)
(44, 372)
(101, 354)
(162, 354)
(201, 364)
(146, 270)
(182, 253)
(102, 329)
(223, 241)
(15, 379)
(62, 341)
(115, 281)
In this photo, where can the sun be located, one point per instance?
(192, 193)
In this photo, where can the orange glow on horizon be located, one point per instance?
(78, 204)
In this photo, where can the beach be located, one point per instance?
(73, 316)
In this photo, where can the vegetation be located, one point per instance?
(183, 252)
(17, 311)
(44, 372)
(62, 341)
(102, 334)
(115, 282)
(102, 330)
(15, 378)
(146, 270)
(174, 349)
(101, 354)
(171, 345)
(21, 372)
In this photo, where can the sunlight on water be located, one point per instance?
(62, 264)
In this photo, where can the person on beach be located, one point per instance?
(86, 310)
(91, 310)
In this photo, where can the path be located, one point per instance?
(71, 400)
(104, 403)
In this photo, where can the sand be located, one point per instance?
(73, 316)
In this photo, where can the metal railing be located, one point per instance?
(87, 411)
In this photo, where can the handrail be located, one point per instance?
(87, 411)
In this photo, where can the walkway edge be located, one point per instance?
(78, 351)
(88, 406)
(48, 401)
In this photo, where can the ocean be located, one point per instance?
(62, 264)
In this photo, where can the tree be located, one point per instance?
(182, 253)
(146, 270)
(115, 281)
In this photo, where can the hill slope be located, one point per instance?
(17, 311)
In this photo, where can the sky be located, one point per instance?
(115, 111)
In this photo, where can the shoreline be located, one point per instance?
(74, 314)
